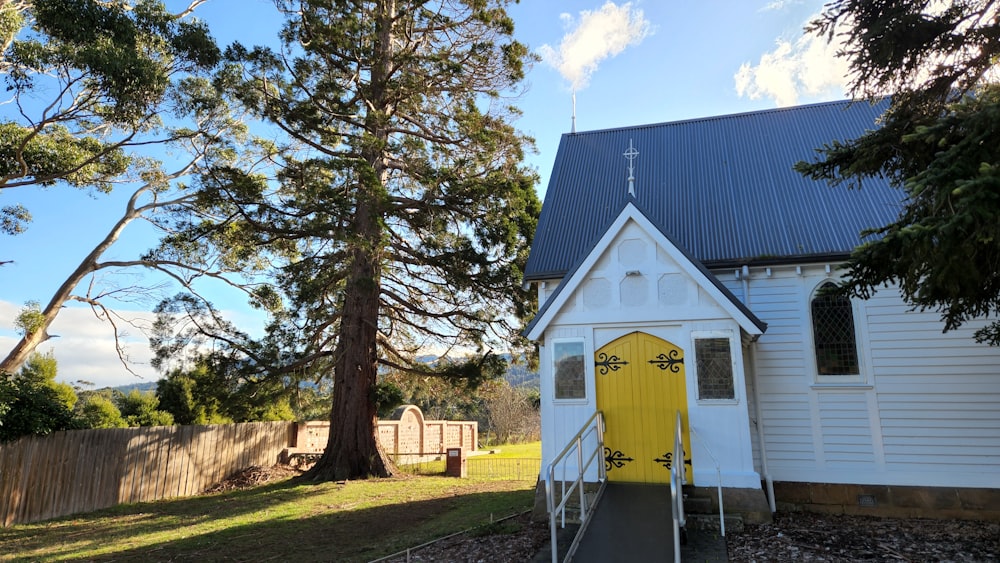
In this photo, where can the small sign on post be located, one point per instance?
(455, 464)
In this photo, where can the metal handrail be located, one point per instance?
(718, 475)
(593, 426)
(677, 480)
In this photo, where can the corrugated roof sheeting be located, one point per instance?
(723, 187)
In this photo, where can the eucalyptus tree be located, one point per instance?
(939, 142)
(404, 220)
(97, 87)
(86, 79)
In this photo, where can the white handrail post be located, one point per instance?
(722, 516)
(602, 469)
(562, 497)
(579, 469)
(594, 425)
(676, 481)
(718, 475)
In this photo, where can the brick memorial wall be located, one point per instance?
(404, 432)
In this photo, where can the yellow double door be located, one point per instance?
(640, 387)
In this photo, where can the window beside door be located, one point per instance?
(714, 359)
(569, 369)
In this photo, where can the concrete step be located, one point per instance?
(748, 504)
(697, 505)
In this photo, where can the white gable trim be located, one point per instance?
(632, 213)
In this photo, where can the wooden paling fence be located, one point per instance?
(44, 477)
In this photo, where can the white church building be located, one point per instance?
(680, 267)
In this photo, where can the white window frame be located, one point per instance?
(834, 380)
(693, 366)
(554, 344)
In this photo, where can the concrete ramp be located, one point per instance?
(632, 523)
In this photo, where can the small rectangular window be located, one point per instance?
(568, 367)
(715, 368)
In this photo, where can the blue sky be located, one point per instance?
(649, 61)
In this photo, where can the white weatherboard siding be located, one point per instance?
(780, 361)
(927, 411)
(938, 396)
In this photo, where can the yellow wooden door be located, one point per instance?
(640, 388)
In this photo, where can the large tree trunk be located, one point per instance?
(353, 450)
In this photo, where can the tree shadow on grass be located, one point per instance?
(276, 522)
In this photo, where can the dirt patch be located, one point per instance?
(254, 476)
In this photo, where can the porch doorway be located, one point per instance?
(640, 387)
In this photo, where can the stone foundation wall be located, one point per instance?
(889, 500)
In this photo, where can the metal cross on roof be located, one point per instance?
(631, 154)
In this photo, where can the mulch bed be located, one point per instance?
(254, 476)
(840, 538)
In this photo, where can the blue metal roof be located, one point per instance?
(722, 187)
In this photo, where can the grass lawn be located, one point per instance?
(526, 450)
(348, 521)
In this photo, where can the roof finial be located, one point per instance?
(631, 154)
(574, 113)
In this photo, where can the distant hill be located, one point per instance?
(142, 387)
(521, 376)
(517, 375)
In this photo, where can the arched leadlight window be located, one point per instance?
(833, 333)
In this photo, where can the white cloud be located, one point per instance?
(809, 66)
(593, 37)
(85, 346)
(777, 5)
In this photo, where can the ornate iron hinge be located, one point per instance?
(614, 459)
(667, 460)
(671, 361)
(605, 362)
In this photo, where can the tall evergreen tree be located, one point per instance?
(939, 143)
(404, 218)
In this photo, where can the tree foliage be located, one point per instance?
(87, 79)
(939, 142)
(32, 402)
(97, 410)
(98, 87)
(400, 212)
(211, 393)
(239, 380)
(512, 416)
(139, 408)
(181, 395)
